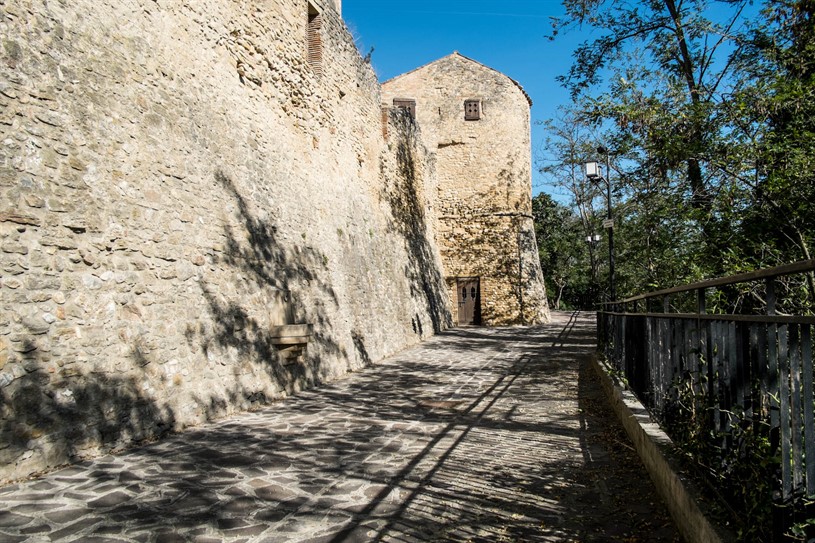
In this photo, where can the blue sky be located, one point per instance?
(508, 35)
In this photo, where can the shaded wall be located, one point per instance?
(170, 172)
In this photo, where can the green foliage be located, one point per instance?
(781, 59)
(708, 111)
(563, 253)
(743, 472)
(800, 530)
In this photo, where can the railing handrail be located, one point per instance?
(766, 319)
(768, 273)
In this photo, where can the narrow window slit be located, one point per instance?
(314, 40)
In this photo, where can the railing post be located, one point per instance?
(776, 348)
(771, 298)
(703, 357)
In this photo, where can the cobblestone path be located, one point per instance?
(475, 435)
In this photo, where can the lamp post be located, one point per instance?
(593, 173)
(592, 240)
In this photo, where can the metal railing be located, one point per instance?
(730, 372)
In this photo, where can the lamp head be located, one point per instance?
(592, 170)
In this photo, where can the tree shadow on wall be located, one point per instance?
(257, 254)
(65, 413)
(409, 220)
(59, 415)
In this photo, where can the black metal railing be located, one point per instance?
(730, 375)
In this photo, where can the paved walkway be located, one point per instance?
(475, 435)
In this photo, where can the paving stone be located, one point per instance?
(249, 531)
(74, 529)
(102, 475)
(26, 497)
(194, 502)
(231, 523)
(128, 477)
(110, 500)
(38, 529)
(43, 485)
(240, 506)
(170, 537)
(10, 489)
(77, 496)
(272, 515)
(109, 529)
(274, 493)
(39, 507)
(9, 519)
(78, 470)
(64, 516)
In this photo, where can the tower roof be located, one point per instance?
(456, 54)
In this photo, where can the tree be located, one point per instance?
(709, 119)
(568, 146)
(562, 252)
(781, 63)
(653, 219)
(660, 71)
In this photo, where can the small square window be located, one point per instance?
(472, 110)
(406, 104)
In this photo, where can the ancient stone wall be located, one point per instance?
(482, 201)
(171, 173)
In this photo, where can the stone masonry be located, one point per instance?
(475, 121)
(175, 179)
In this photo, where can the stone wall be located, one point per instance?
(170, 174)
(482, 201)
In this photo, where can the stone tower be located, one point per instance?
(476, 121)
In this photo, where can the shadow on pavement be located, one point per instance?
(476, 435)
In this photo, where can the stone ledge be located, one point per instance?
(678, 492)
(291, 334)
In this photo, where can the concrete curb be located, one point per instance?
(653, 446)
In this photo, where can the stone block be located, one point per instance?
(91, 282)
(17, 248)
(35, 325)
(43, 282)
(5, 353)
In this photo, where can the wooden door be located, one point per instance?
(469, 301)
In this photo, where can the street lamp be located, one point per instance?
(593, 173)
